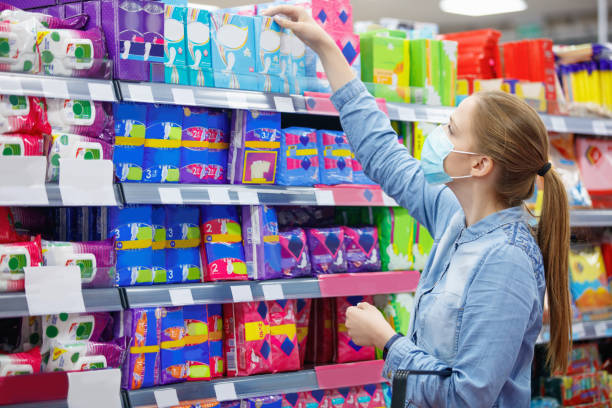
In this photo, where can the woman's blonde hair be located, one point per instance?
(513, 135)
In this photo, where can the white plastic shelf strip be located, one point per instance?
(591, 218)
(583, 331)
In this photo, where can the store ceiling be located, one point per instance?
(428, 10)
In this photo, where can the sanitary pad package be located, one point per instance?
(302, 320)
(183, 244)
(272, 401)
(327, 253)
(247, 334)
(196, 351)
(24, 114)
(370, 396)
(162, 151)
(261, 242)
(70, 146)
(316, 399)
(361, 246)
(222, 247)
(95, 259)
(218, 137)
(347, 350)
(396, 237)
(215, 340)
(194, 146)
(267, 45)
(130, 128)
(335, 157)
(141, 368)
(13, 258)
(81, 117)
(254, 147)
(284, 355)
(199, 58)
(295, 260)
(292, 400)
(299, 158)
(321, 337)
(173, 364)
(158, 223)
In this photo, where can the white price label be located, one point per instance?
(388, 201)
(225, 391)
(558, 124)
(140, 93)
(22, 180)
(101, 91)
(247, 197)
(601, 328)
(53, 290)
(55, 88)
(94, 389)
(406, 114)
(87, 182)
(284, 104)
(578, 331)
(273, 291)
(219, 195)
(181, 297)
(166, 398)
(237, 100)
(183, 96)
(242, 293)
(437, 115)
(170, 195)
(599, 127)
(325, 197)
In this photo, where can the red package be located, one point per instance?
(316, 399)
(322, 336)
(13, 258)
(370, 396)
(293, 400)
(342, 398)
(350, 396)
(23, 114)
(347, 350)
(285, 355)
(302, 319)
(595, 162)
(7, 226)
(21, 144)
(247, 334)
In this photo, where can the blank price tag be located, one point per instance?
(242, 293)
(53, 290)
(166, 398)
(22, 180)
(599, 127)
(219, 196)
(55, 88)
(558, 124)
(87, 182)
(101, 91)
(94, 389)
(183, 96)
(284, 104)
(388, 201)
(248, 197)
(406, 114)
(140, 93)
(237, 100)
(578, 331)
(181, 297)
(273, 291)
(325, 197)
(170, 195)
(601, 328)
(437, 116)
(225, 391)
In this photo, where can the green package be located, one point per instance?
(418, 70)
(395, 236)
(402, 305)
(385, 64)
(384, 32)
(448, 71)
(407, 130)
(422, 248)
(434, 83)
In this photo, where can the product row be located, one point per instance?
(188, 244)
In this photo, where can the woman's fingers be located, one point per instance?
(292, 12)
(285, 23)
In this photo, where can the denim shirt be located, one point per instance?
(478, 305)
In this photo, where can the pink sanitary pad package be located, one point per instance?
(285, 354)
(347, 350)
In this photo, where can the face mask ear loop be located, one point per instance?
(462, 152)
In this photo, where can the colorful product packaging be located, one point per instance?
(222, 247)
(162, 151)
(71, 146)
(254, 147)
(218, 137)
(334, 157)
(194, 146)
(21, 55)
(348, 351)
(247, 334)
(174, 68)
(359, 176)
(299, 158)
(321, 344)
(292, 400)
(141, 368)
(448, 71)
(81, 117)
(95, 259)
(130, 129)
(16, 144)
(588, 279)
(215, 340)
(70, 328)
(385, 64)
(395, 233)
(20, 363)
(302, 321)
(316, 399)
(272, 401)
(183, 240)
(86, 355)
(295, 261)
(361, 248)
(174, 367)
(285, 354)
(197, 350)
(370, 396)
(23, 114)
(199, 57)
(327, 253)
(158, 223)
(563, 158)
(594, 160)
(267, 61)
(14, 258)
(262, 248)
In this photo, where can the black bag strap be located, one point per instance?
(398, 398)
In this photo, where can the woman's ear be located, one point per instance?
(482, 166)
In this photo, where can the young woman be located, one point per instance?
(478, 306)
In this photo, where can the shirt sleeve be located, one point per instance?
(389, 163)
(501, 303)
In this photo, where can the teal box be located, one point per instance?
(176, 75)
(174, 36)
(199, 57)
(234, 80)
(200, 77)
(233, 49)
(267, 44)
(270, 83)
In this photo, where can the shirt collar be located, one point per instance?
(491, 222)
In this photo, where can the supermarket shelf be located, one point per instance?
(54, 196)
(140, 193)
(227, 292)
(591, 218)
(14, 304)
(589, 126)
(57, 87)
(582, 331)
(366, 372)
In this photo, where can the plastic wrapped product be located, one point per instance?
(285, 355)
(172, 356)
(23, 114)
(588, 280)
(17, 144)
(19, 53)
(299, 158)
(162, 151)
(327, 253)
(361, 248)
(272, 401)
(13, 258)
(70, 328)
(261, 242)
(183, 244)
(20, 363)
(293, 400)
(347, 350)
(70, 146)
(130, 127)
(295, 261)
(595, 162)
(215, 340)
(335, 157)
(302, 321)
(81, 117)
(396, 238)
(194, 146)
(316, 399)
(563, 159)
(158, 265)
(197, 350)
(141, 368)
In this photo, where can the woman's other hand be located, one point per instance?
(367, 327)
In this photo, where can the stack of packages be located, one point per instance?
(23, 126)
(52, 46)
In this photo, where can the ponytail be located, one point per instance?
(553, 239)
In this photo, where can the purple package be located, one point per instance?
(326, 247)
(173, 365)
(361, 248)
(153, 31)
(123, 24)
(218, 137)
(52, 20)
(231, 404)
(141, 368)
(194, 146)
(114, 351)
(89, 9)
(261, 244)
(81, 117)
(96, 260)
(294, 253)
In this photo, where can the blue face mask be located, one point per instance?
(435, 149)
